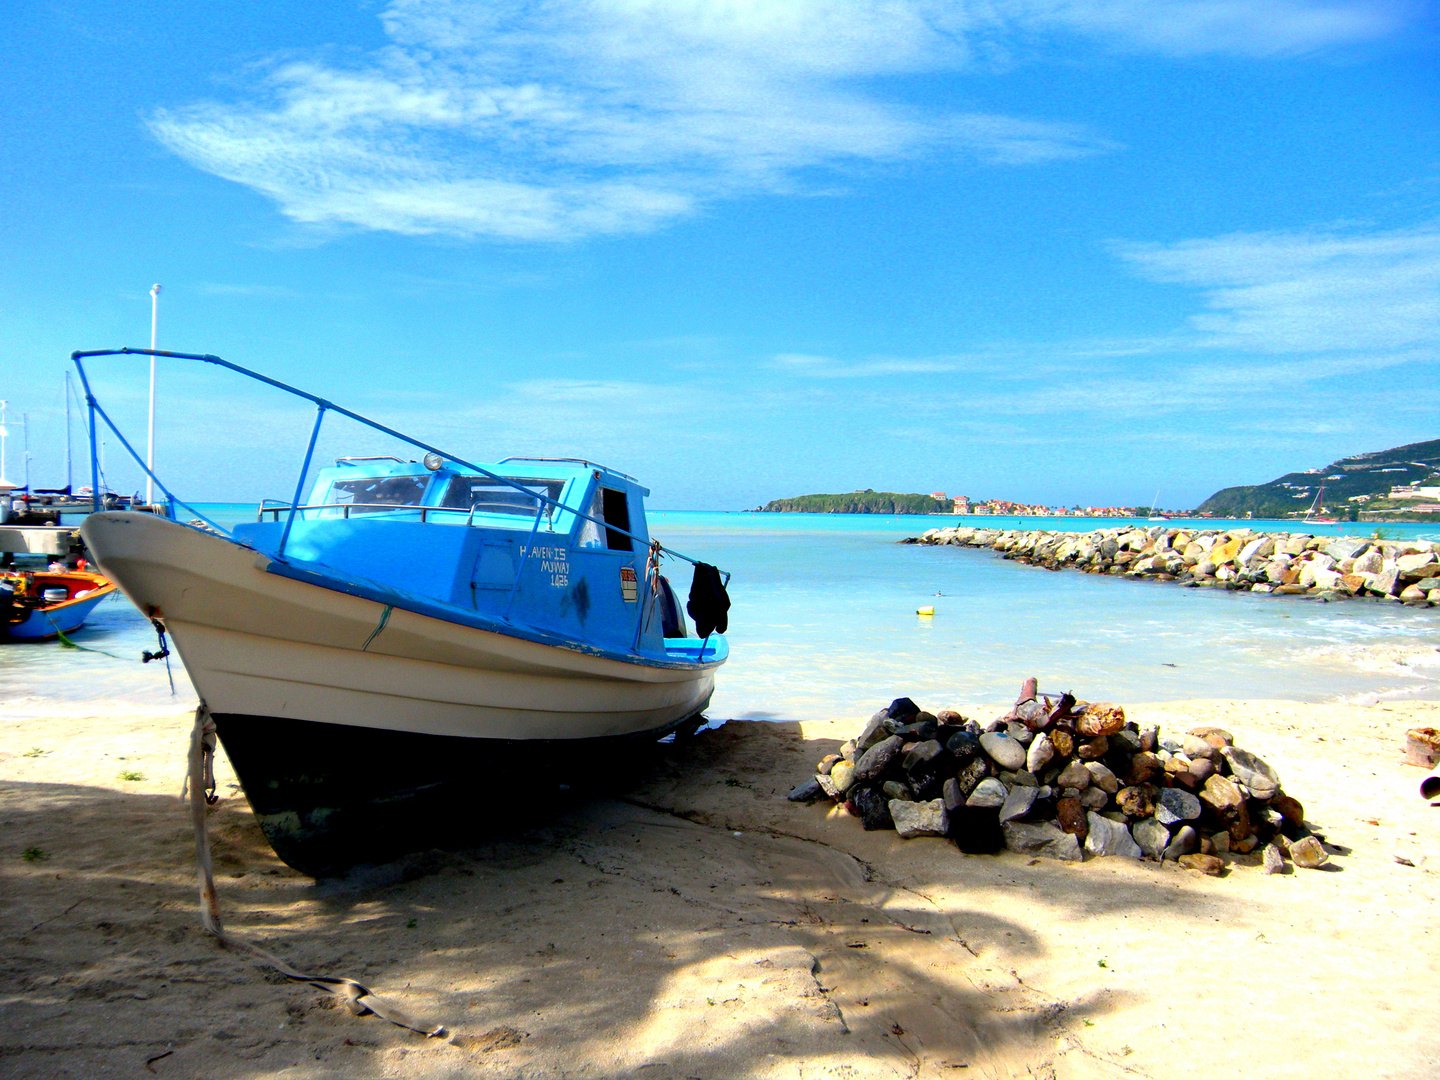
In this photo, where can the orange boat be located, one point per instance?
(43, 604)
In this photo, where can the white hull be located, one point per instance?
(259, 644)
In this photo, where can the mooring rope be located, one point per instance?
(200, 782)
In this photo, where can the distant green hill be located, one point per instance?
(1364, 474)
(858, 502)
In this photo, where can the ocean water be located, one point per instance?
(824, 624)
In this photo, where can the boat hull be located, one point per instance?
(54, 620)
(360, 730)
(339, 797)
(262, 644)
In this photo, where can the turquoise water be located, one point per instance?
(824, 624)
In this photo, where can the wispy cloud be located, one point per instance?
(556, 120)
(268, 292)
(1318, 291)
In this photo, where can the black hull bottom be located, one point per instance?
(332, 796)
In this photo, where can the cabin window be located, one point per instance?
(487, 496)
(615, 509)
(374, 494)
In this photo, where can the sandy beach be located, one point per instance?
(696, 924)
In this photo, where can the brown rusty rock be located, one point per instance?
(1144, 767)
(1206, 731)
(1137, 801)
(1063, 742)
(1101, 718)
(1206, 864)
(1187, 780)
(1223, 796)
(949, 716)
(1422, 747)
(1093, 750)
(1071, 815)
(1289, 808)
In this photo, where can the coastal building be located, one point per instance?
(962, 504)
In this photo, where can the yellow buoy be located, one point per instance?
(925, 611)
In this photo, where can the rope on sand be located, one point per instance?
(200, 781)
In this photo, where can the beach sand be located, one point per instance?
(696, 924)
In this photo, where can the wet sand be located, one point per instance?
(695, 924)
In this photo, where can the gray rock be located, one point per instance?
(1094, 798)
(989, 792)
(1194, 747)
(1152, 836)
(919, 819)
(1185, 840)
(1110, 838)
(1045, 839)
(805, 791)
(894, 789)
(1272, 860)
(873, 808)
(1006, 752)
(874, 731)
(1026, 779)
(1149, 737)
(1019, 732)
(919, 757)
(1018, 803)
(971, 773)
(877, 759)
(1346, 548)
(1040, 753)
(952, 795)
(964, 744)
(1372, 562)
(1074, 775)
(1102, 777)
(1176, 805)
(827, 785)
(1255, 774)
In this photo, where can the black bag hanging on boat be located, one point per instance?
(709, 602)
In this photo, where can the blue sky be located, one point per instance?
(1049, 250)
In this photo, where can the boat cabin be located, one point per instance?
(516, 550)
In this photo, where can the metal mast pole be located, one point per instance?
(150, 449)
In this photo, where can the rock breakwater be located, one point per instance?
(1282, 564)
(1063, 779)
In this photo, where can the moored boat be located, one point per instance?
(41, 605)
(373, 647)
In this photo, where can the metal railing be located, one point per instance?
(546, 505)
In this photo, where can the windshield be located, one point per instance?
(374, 494)
(486, 496)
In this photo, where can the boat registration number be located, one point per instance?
(555, 562)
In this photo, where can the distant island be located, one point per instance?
(858, 502)
(1403, 482)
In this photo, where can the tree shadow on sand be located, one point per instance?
(634, 935)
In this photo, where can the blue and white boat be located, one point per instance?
(379, 650)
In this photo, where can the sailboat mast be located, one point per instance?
(69, 481)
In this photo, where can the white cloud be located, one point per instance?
(555, 119)
(1307, 291)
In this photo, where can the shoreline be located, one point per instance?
(1276, 563)
(695, 923)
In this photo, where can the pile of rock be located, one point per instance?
(1287, 564)
(1062, 778)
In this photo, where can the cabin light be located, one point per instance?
(433, 462)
